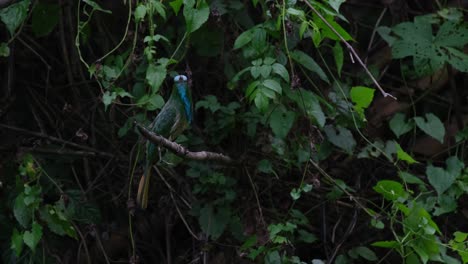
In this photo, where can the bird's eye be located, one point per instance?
(179, 78)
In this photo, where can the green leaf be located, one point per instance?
(439, 178)
(306, 236)
(96, 6)
(155, 76)
(17, 242)
(44, 18)
(309, 63)
(391, 190)
(195, 17)
(410, 178)
(273, 85)
(402, 155)
(399, 126)
(160, 9)
(32, 238)
(4, 49)
(366, 253)
(335, 4)
(243, 39)
(340, 137)
(432, 126)
(154, 102)
(460, 236)
(212, 222)
(338, 56)
(281, 71)
(261, 102)
(386, 244)
(108, 98)
(140, 12)
(362, 96)
(176, 4)
(281, 121)
(308, 102)
(57, 221)
(273, 257)
(454, 166)
(265, 70)
(22, 213)
(13, 15)
(265, 166)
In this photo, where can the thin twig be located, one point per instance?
(256, 197)
(181, 151)
(58, 140)
(350, 48)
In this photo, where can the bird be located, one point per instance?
(175, 117)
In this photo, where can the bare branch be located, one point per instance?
(179, 150)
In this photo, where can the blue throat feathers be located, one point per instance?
(182, 89)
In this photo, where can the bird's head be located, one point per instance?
(184, 93)
(180, 78)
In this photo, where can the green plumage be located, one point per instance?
(172, 120)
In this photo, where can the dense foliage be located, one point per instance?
(345, 121)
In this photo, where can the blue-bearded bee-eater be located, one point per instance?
(175, 116)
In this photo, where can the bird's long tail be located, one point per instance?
(143, 188)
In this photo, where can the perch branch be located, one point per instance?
(179, 150)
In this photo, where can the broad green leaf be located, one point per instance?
(281, 71)
(160, 9)
(366, 253)
(155, 101)
(22, 213)
(108, 98)
(13, 15)
(243, 39)
(155, 75)
(261, 101)
(335, 4)
(460, 236)
(309, 63)
(340, 137)
(308, 102)
(338, 56)
(57, 221)
(273, 85)
(281, 121)
(195, 17)
(265, 71)
(273, 257)
(306, 236)
(399, 126)
(326, 32)
(140, 12)
(176, 4)
(32, 238)
(44, 18)
(17, 242)
(439, 178)
(391, 190)
(432, 126)
(213, 222)
(410, 178)
(255, 71)
(362, 96)
(402, 155)
(454, 166)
